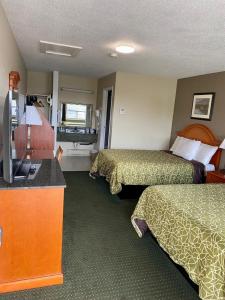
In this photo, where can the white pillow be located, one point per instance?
(175, 144)
(209, 168)
(205, 153)
(187, 148)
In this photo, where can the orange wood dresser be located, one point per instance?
(31, 223)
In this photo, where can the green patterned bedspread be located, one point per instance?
(141, 167)
(189, 223)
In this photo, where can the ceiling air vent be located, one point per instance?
(59, 49)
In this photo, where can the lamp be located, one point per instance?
(30, 117)
(222, 145)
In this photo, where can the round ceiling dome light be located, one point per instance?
(125, 49)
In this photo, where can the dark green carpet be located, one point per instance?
(103, 257)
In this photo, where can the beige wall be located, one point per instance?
(83, 83)
(39, 82)
(148, 103)
(105, 82)
(77, 82)
(10, 60)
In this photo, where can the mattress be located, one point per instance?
(144, 167)
(188, 222)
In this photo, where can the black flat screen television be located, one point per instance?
(7, 139)
(14, 108)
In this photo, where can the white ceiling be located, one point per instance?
(178, 38)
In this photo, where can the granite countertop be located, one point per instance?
(48, 176)
(77, 137)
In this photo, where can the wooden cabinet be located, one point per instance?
(216, 177)
(31, 222)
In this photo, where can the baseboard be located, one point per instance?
(25, 284)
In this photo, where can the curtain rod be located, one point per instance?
(39, 95)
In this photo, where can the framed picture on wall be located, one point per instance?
(202, 106)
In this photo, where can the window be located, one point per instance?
(77, 114)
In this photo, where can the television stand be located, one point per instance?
(31, 222)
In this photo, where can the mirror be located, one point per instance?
(77, 115)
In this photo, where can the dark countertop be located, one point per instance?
(77, 137)
(48, 176)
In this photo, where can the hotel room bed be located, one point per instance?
(145, 167)
(188, 222)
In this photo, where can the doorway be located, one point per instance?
(106, 116)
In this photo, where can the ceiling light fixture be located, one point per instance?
(57, 53)
(59, 49)
(125, 49)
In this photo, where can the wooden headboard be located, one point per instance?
(205, 135)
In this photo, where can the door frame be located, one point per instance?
(103, 118)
